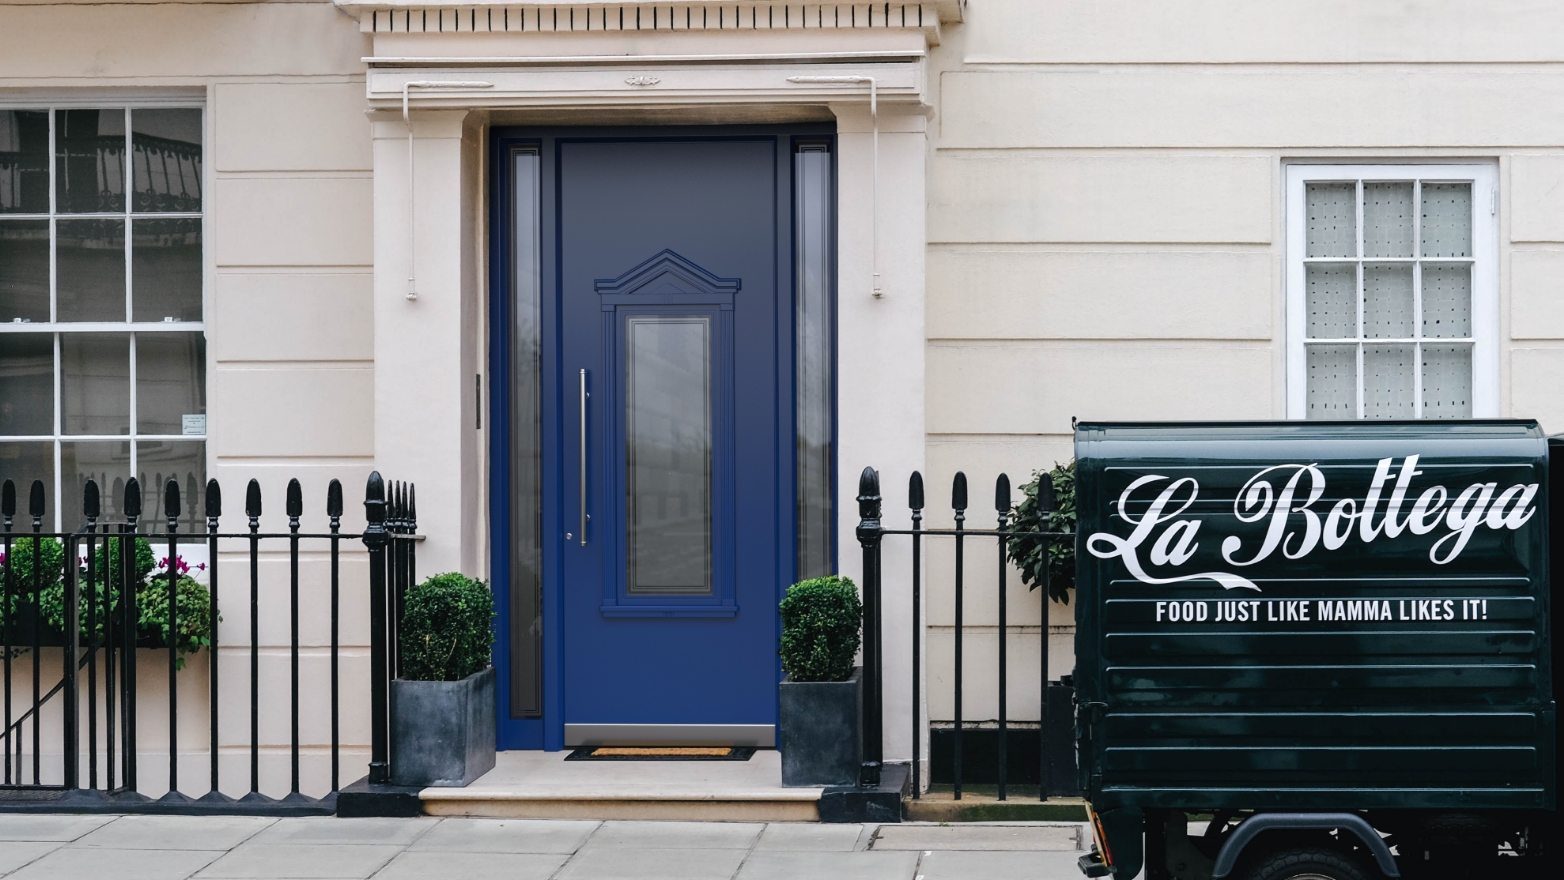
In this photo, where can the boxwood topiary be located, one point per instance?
(821, 620)
(447, 630)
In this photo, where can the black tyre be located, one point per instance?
(1306, 863)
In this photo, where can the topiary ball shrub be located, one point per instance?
(447, 630)
(821, 620)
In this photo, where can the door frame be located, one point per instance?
(548, 731)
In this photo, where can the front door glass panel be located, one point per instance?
(668, 454)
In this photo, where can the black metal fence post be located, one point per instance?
(869, 539)
(90, 510)
(8, 510)
(915, 501)
(1045, 506)
(295, 502)
(375, 538)
(1002, 507)
(35, 508)
(334, 513)
(252, 510)
(128, 630)
(214, 509)
(958, 501)
(69, 715)
(171, 510)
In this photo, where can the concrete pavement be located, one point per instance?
(175, 848)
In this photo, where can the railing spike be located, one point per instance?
(958, 491)
(91, 506)
(8, 499)
(375, 498)
(915, 491)
(35, 500)
(1045, 493)
(334, 498)
(252, 499)
(214, 500)
(295, 499)
(171, 499)
(1002, 493)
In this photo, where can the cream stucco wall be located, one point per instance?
(1106, 225)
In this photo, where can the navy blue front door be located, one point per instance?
(665, 474)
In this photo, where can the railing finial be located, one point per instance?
(295, 499)
(171, 502)
(214, 500)
(35, 500)
(915, 491)
(91, 505)
(1002, 494)
(958, 491)
(252, 499)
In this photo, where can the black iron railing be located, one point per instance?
(871, 535)
(97, 596)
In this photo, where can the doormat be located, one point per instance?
(659, 753)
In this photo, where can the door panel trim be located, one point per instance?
(757, 736)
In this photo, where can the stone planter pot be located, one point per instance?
(442, 732)
(821, 731)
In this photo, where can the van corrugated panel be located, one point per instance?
(1314, 615)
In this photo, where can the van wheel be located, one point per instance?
(1307, 863)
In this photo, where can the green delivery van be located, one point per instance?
(1325, 647)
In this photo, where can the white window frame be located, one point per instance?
(1484, 177)
(129, 328)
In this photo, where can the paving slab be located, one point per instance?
(505, 836)
(674, 835)
(809, 837)
(97, 863)
(176, 832)
(987, 838)
(472, 866)
(302, 861)
(999, 866)
(19, 826)
(330, 829)
(830, 866)
(630, 863)
(16, 853)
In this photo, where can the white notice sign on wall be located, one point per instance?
(195, 423)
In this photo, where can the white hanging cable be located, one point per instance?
(412, 215)
(874, 183)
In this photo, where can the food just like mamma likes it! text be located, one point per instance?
(1283, 498)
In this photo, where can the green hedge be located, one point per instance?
(1028, 554)
(821, 623)
(447, 630)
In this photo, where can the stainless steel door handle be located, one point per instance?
(584, 516)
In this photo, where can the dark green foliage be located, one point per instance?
(821, 622)
(194, 625)
(1027, 553)
(447, 628)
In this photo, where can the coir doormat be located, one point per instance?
(659, 753)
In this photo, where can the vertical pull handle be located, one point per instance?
(584, 516)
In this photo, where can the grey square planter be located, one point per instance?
(821, 734)
(442, 732)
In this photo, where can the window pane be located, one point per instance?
(668, 455)
(1333, 381)
(1333, 220)
(1388, 389)
(1447, 381)
(95, 386)
(1389, 219)
(1333, 301)
(1387, 300)
(170, 383)
(90, 270)
(107, 462)
(89, 148)
(26, 383)
(24, 162)
(166, 150)
(22, 463)
(526, 458)
(184, 461)
(165, 267)
(1447, 220)
(24, 269)
(816, 520)
(1447, 300)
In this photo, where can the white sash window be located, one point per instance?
(1392, 306)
